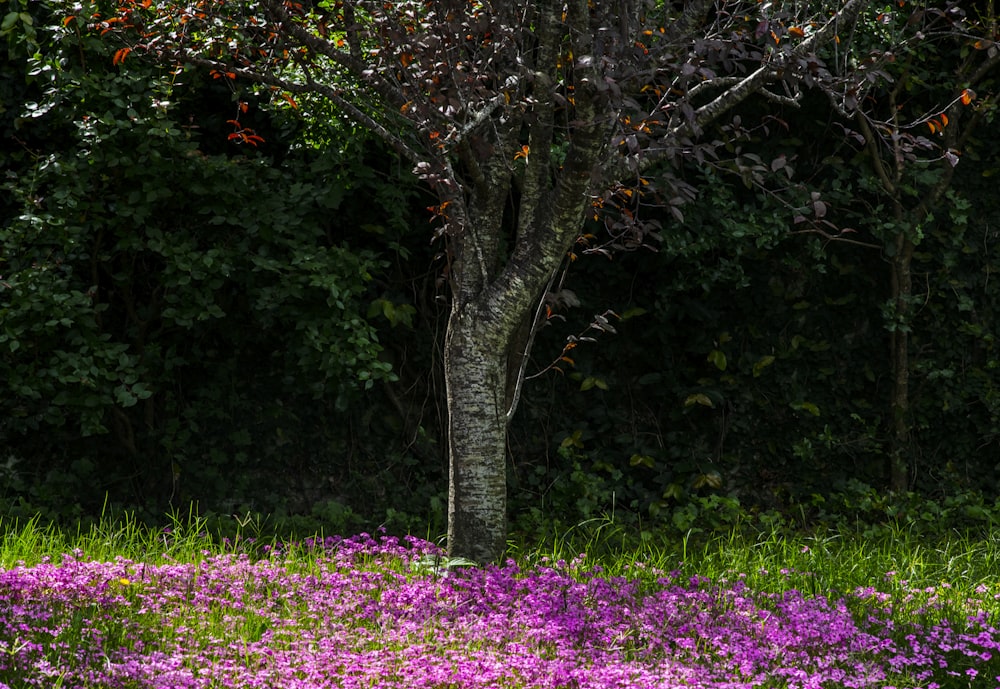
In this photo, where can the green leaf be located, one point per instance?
(641, 460)
(699, 398)
(761, 364)
(718, 357)
(674, 490)
(710, 480)
(125, 397)
(389, 310)
(573, 440)
(8, 21)
(806, 407)
(632, 313)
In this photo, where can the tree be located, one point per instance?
(912, 112)
(914, 190)
(527, 119)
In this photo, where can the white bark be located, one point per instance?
(475, 368)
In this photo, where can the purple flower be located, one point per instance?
(363, 612)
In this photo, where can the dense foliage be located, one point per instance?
(524, 119)
(188, 317)
(181, 317)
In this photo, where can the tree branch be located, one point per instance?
(872, 145)
(790, 101)
(535, 194)
(350, 61)
(752, 83)
(525, 355)
(458, 134)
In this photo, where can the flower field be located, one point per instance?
(379, 612)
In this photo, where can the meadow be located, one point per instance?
(123, 606)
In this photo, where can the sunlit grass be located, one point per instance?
(122, 605)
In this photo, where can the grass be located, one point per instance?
(121, 605)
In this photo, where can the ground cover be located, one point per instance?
(123, 607)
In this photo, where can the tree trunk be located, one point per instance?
(475, 371)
